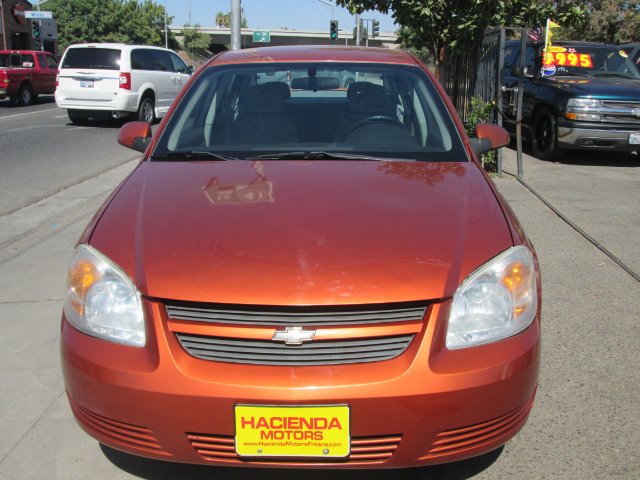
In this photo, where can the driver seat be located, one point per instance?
(365, 100)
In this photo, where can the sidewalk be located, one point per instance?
(600, 193)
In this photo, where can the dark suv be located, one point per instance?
(587, 96)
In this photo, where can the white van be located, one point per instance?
(117, 80)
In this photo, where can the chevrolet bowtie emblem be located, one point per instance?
(293, 335)
(635, 112)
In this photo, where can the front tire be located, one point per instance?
(25, 96)
(544, 135)
(146, 111)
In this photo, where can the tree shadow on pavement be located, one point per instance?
(160, 470)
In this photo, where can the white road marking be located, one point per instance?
(29, 113)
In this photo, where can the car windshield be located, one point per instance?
(311, 110)
(590, 60)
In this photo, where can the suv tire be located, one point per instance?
(544, 135)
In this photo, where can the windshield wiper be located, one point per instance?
(611, 74)
(323, 156)
(191, 155)
(572, 74)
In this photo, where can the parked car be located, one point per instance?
(305, 276)
(117, 80)
(588, 98)
(25, 74)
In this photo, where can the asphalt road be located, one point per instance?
(586, 420)
(41, 152)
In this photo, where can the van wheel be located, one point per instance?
(25, 95)
(77, 118)
(146, 111)
(544, 135)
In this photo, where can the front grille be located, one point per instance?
(460, 440)
(303, 316)
(364, 450)
(620, 112)
(260, 352)
(118, 432)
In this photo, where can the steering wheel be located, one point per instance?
(375, 119)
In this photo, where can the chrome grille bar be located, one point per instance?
(307, 316)
(259, 352)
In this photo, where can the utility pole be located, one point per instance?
(166, 33)
(235, 25)
(357, 29)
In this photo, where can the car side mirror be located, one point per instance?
(488, 137)
(527, 71)
(189, 69)
(135, 135)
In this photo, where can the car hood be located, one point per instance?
(302, 232)
(613, 88)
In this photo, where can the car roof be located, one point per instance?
(314, 53)
(25, 51)
(112, 45)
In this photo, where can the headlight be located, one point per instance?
(581, 103)
(102, 301)
(584, 109)
(495, 302)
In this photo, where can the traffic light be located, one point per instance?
(35, 29)
(333, 30)
(376, 28)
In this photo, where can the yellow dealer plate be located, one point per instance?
(292, 431)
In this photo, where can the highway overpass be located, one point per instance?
(222, 36)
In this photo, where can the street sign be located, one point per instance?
(37, 14)
(261, 37)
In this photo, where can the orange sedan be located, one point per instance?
(302, 273)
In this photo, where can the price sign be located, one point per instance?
(568, 59)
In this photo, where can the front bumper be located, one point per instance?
(596, 136)
(429, 405)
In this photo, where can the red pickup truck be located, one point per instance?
(24, 74)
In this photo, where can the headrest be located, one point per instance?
(268, 97)
(364, 91)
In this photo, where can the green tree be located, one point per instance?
(126, 21)
(610, 21)
(194, 40)
(437, 25)
(223, 20)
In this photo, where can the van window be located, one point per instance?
(140, 59)
(178, 65)
(160, 60)
(95, 58)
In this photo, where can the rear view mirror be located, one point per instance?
(315, 83)
(135, 135)
(527, 71)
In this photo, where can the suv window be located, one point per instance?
(178, 65)
(51, 61)
(95, 58)
(26, 61)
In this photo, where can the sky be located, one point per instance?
(271, 14)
